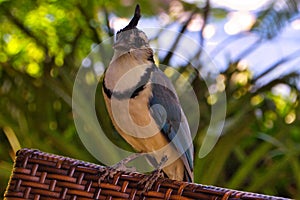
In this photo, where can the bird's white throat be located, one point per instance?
(125, 72)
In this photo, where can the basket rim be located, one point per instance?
(191, 189)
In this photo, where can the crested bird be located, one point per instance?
(144, 107)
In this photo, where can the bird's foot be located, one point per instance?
(149, 181)
(108, 172)
(120, 166)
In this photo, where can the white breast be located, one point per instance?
(125, 72)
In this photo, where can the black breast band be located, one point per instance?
(132, 92)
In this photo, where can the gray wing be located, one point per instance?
(175, 126)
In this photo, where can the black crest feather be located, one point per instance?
(134, 21)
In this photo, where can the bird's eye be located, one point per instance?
(139, 41)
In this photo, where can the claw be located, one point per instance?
(120, 166)
(150, 180)
(110, 172)
(153, 177)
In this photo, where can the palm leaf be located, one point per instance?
(271, 21)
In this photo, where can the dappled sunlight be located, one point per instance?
(35, 52)
(169, 72)
(290, 118)
(240, 78)
(212, 99)
(209, 31)
(296, 24)
(176, 9)
(14, 44)
(195, 24)
(164, 18)
(282, 90)
(118, 23)
(242, 65)
(221, 85)
(257, 99)
(239, 22)
(285, 99)
(33, 69)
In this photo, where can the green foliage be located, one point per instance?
(42, 45)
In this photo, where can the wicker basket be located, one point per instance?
(37, 175)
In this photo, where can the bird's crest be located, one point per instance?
(131, 37)
(134, 21)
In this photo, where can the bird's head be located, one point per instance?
(131, 38)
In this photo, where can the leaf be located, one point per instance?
(271, 21)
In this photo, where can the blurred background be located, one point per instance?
(254, 45)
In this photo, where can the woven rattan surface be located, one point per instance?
(38, 175)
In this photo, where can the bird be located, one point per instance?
(144, 107)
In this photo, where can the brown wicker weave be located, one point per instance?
(37, 175)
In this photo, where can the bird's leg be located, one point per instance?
(120, 166)
(154, 176)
